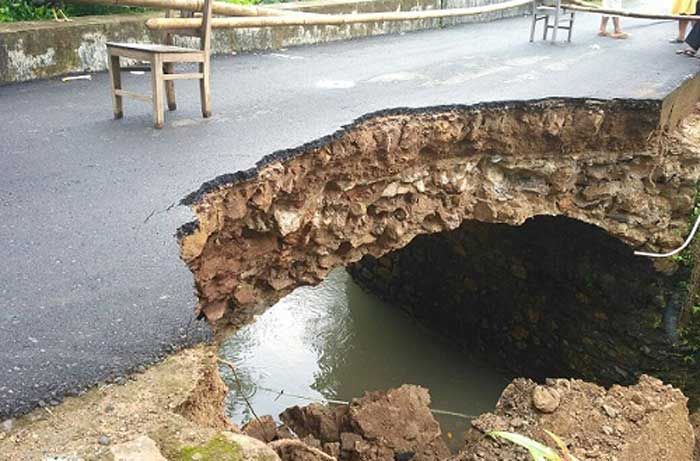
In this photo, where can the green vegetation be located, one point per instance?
(538, 451)
(27, 10)
(685, 257)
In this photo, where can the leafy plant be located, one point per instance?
(26, 10)
(537, 450)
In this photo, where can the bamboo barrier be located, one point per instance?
(628, 14)
(328, 19)
(221, 8)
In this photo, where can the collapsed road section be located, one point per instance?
(628, 168)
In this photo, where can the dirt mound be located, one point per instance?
(392, 425)
(205, 404)
(645, 422)
(695, 421)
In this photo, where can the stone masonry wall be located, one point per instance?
(372, 187)
(552, 297)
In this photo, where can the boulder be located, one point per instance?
(228, 446)
(140, 449)
(396, 424)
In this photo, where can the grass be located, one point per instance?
(537, 450)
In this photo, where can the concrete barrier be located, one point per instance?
(42, 49)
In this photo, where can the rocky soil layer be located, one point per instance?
(645, 422)
(552, 297)
(382, 426)
(375, 185)
(160, 415)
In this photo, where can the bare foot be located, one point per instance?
(619, 35)
(603, 33)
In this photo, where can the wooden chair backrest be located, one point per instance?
(204, 33)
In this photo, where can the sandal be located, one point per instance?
(619, 35)
(602, 33)
(676, 40)
(687, 52)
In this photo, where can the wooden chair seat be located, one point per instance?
(152, 47)
(162, 59)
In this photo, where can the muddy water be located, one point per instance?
(334, 341)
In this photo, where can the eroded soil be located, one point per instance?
(645, 422)
(146, 404)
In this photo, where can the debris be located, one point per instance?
(545, 399)
(77, 77)
(654, 430)
(379, 426)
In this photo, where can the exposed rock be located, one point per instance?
(552, 297)
(372, 187)
(139, 449)
(545, 399)
(264, 429)
(649, 422)
(251, 449)
(399, 420)
(378, 426)
(204, 405)
(296, 450)
(228, 446)
(323, 422)
(695, 421)
(7, 425)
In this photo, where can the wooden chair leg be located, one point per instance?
(115, 78)
(204, 89)
(546, 28)
(571, 28)
(169, 68)
(158, 87)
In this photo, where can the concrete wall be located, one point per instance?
(33, 50)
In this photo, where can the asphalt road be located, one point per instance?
(91, 285)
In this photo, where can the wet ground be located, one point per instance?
(91, 285)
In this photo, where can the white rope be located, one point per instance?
(343, 402)
(677, 250)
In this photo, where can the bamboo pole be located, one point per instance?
(328, 19)
(221, 8)
(628, 14)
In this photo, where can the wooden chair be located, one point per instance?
(162, 59)
(542, 10)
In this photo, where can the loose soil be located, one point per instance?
(645, 422)
(147, 403)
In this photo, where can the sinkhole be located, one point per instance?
(455, 246)
(461, 313)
